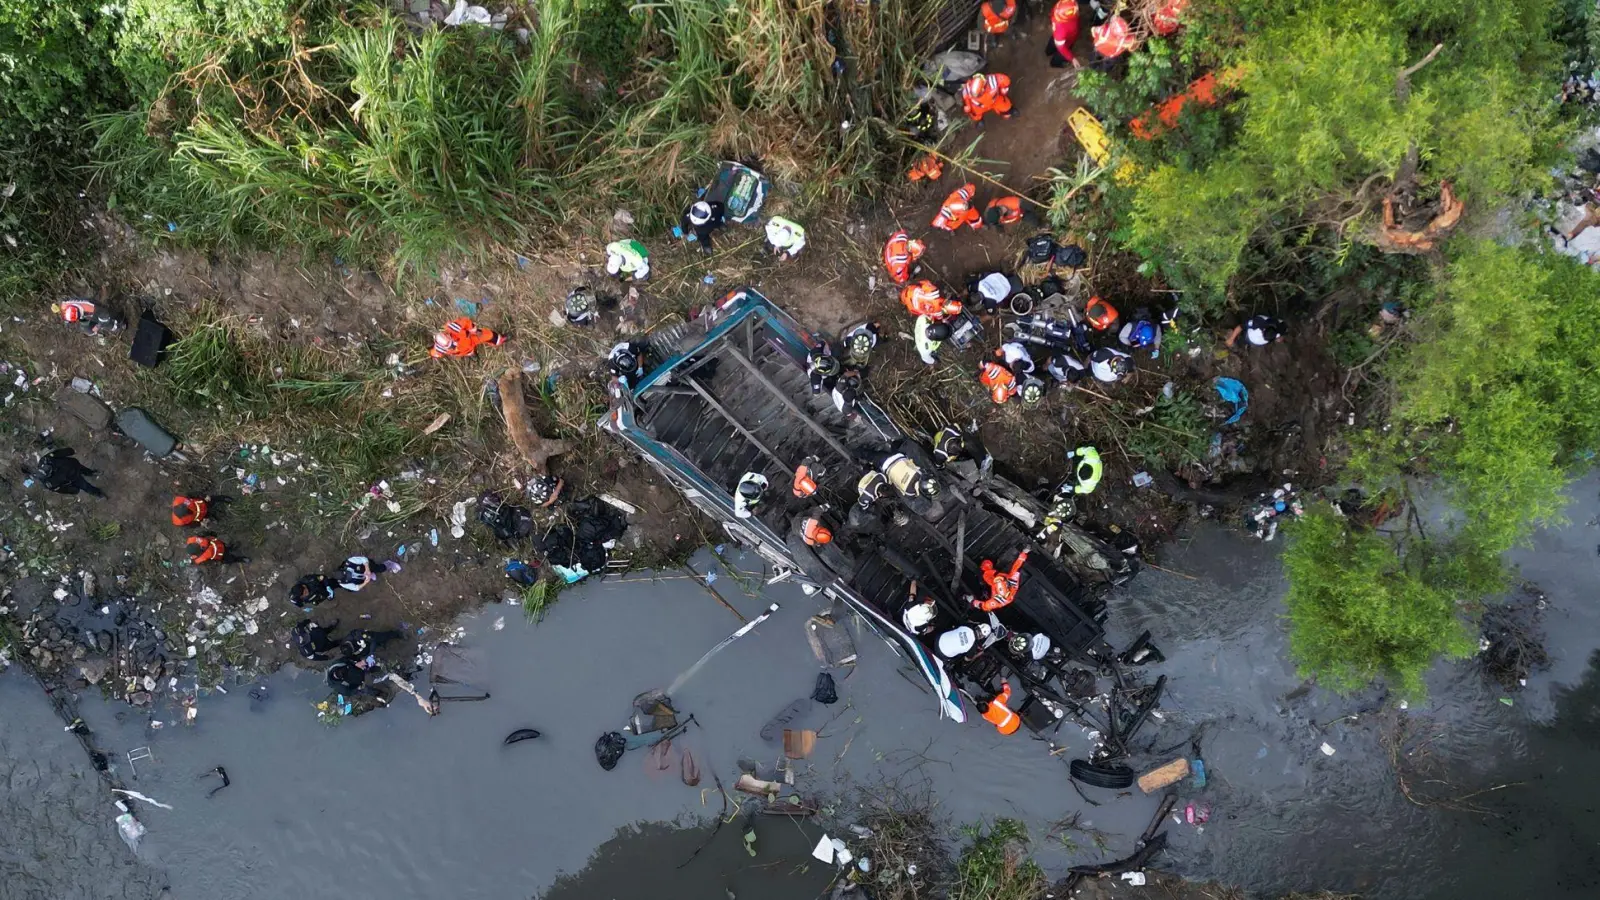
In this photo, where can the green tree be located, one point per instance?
(1359, 612)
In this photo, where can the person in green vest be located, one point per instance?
(786, 237)
(1086, 468)
(627, 258)
(929, 335)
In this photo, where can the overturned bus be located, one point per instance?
(729, 394)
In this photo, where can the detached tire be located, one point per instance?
(1111, 777)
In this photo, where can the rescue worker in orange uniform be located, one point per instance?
(1003, 211)
(188, 511)
(1102, 316)
(1063, 32)
(956, 210)
(1002, 585)
(814, 533)
(207, 548)
(997, 15)
(928, 167)
(900, 254)
(805, 477)
(983, 94)
(1000, 380)
(996, 713)
(922, 298)
(462, 337)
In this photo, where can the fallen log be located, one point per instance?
(535, 449)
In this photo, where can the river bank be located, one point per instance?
(421, 805)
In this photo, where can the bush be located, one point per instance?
(1358, 612)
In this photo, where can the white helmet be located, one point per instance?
(700, 213)
(957, 641)
(918, 615)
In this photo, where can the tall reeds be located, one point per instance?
(379, 140)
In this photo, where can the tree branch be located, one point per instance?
(1402, 83)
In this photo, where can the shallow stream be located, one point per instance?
(398, 805)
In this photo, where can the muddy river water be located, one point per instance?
(397, 805)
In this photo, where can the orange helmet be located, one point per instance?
(1064, 11)
(814, 533)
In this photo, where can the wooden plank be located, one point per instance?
(761, 377)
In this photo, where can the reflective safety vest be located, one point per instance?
(814, 533)
(898, 255)
(76, 310)
(1088, 470)
(957, 210)
(785, 236)
(947, 445)
(927, 347)
(632, 253)
(210, 549)
(804, 483)
(188, 511)
(869, 488)
(997, 15)
(1003, 211)
(1101, 315)
(928, 167)
(986, 93)
(461, 337)
(1000, 381)
(904, 473)
(922, 298)
(1002, 585)
(999, 715)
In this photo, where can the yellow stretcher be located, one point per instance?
(1091, 135)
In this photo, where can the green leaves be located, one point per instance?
(1357, 613)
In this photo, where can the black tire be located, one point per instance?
(1110, 777)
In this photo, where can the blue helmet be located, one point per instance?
(1144, 333)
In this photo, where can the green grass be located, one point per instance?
(995, 866)
(538, 597)
(386, 143)
(1174, 433)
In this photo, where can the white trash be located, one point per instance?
(1327, 749)
(824, 850)
(1134, 878)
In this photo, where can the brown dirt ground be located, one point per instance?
(292, 528)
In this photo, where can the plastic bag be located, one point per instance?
(609, 748)
(825, 693)
(131, 830)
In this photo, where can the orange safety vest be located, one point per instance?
(461, 337)
(1000, 381)
(928, 167)
(1101, 315)
(1010, 209)
(804, 484)
(957, 210)
(1002, 585)
(898, 255)
(188, 511)
(814, 534)
(1001, 716)
(921, 298)
(76, 310)
(986, 93)
(997, 21)
(210, 549)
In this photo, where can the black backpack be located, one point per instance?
(1041, 247)
(508, 522)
